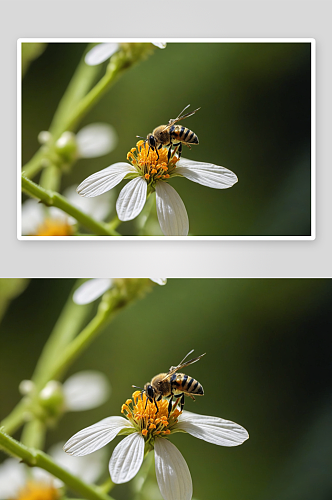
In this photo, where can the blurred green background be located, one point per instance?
(268, 367)
(255, 114)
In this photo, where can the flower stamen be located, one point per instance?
(152, 164)
(38, 491)
(54, 227)
(146, 419)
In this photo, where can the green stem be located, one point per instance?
(107, 486)
(68, 325)
(34, 434)
(115, 222)
(51, 198)
(66, 328)
(16, 418)
(112, 303)
(83, 340)
(82, 102)
(91, 98)
(36, 458)
(51, 178)
(78, 87)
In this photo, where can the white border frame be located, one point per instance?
(312, 41)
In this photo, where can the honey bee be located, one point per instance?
(172, 384)
(172, 135)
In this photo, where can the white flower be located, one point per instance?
(150, 170)
(104, 51)
(148, 429)
(38, 220)
(95, 287)
(14, 475)
(84, 390)
(93, 140)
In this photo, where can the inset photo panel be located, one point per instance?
(147, 389)
(166, 138)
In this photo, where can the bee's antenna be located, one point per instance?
(136, 387)
(140, 137)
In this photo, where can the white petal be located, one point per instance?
(96, 139)
(172, 213)
(58, 214)
(173, 475)
(12, 478)
(100, 53)
(32, 216)
(206, 174)
(85, 390)
(88, 468)
(127, 458)
(160, 45)
(42, 475)
(96, 436)
(98, 207)
(104, 180)
(131, 199)
(212, 429)
(159, 281)
(91, 290)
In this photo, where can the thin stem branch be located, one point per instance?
(51, 198)
(16, 418)
(66, 328)
(34, 434)
(81, 342)
(37, 458)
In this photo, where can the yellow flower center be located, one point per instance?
(149, 165)
(38, 491)
(54, 227)
(146, 419)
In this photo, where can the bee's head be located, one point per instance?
(149, 391)
(151, 141)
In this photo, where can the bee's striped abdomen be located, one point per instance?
(183, 134)
(186, 384)
(194, 387)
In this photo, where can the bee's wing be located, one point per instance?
(174, 369)
(179, 117)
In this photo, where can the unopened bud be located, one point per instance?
(51, 398)
(66, 146)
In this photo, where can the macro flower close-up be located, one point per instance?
(150, 172)
(236, 87)
(148, 424)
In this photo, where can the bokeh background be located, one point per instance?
(255, 116)
(268, 367)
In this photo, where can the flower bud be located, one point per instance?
(52, 398)
(66, 147)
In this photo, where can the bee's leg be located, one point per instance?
(170, 404)
(159, 397)
(142, 395)
(148, 399)
(149, 150)
(156, 405)
(192, 397)
(169, 152)
(179, 151)
(159, 147)
(182, 401)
